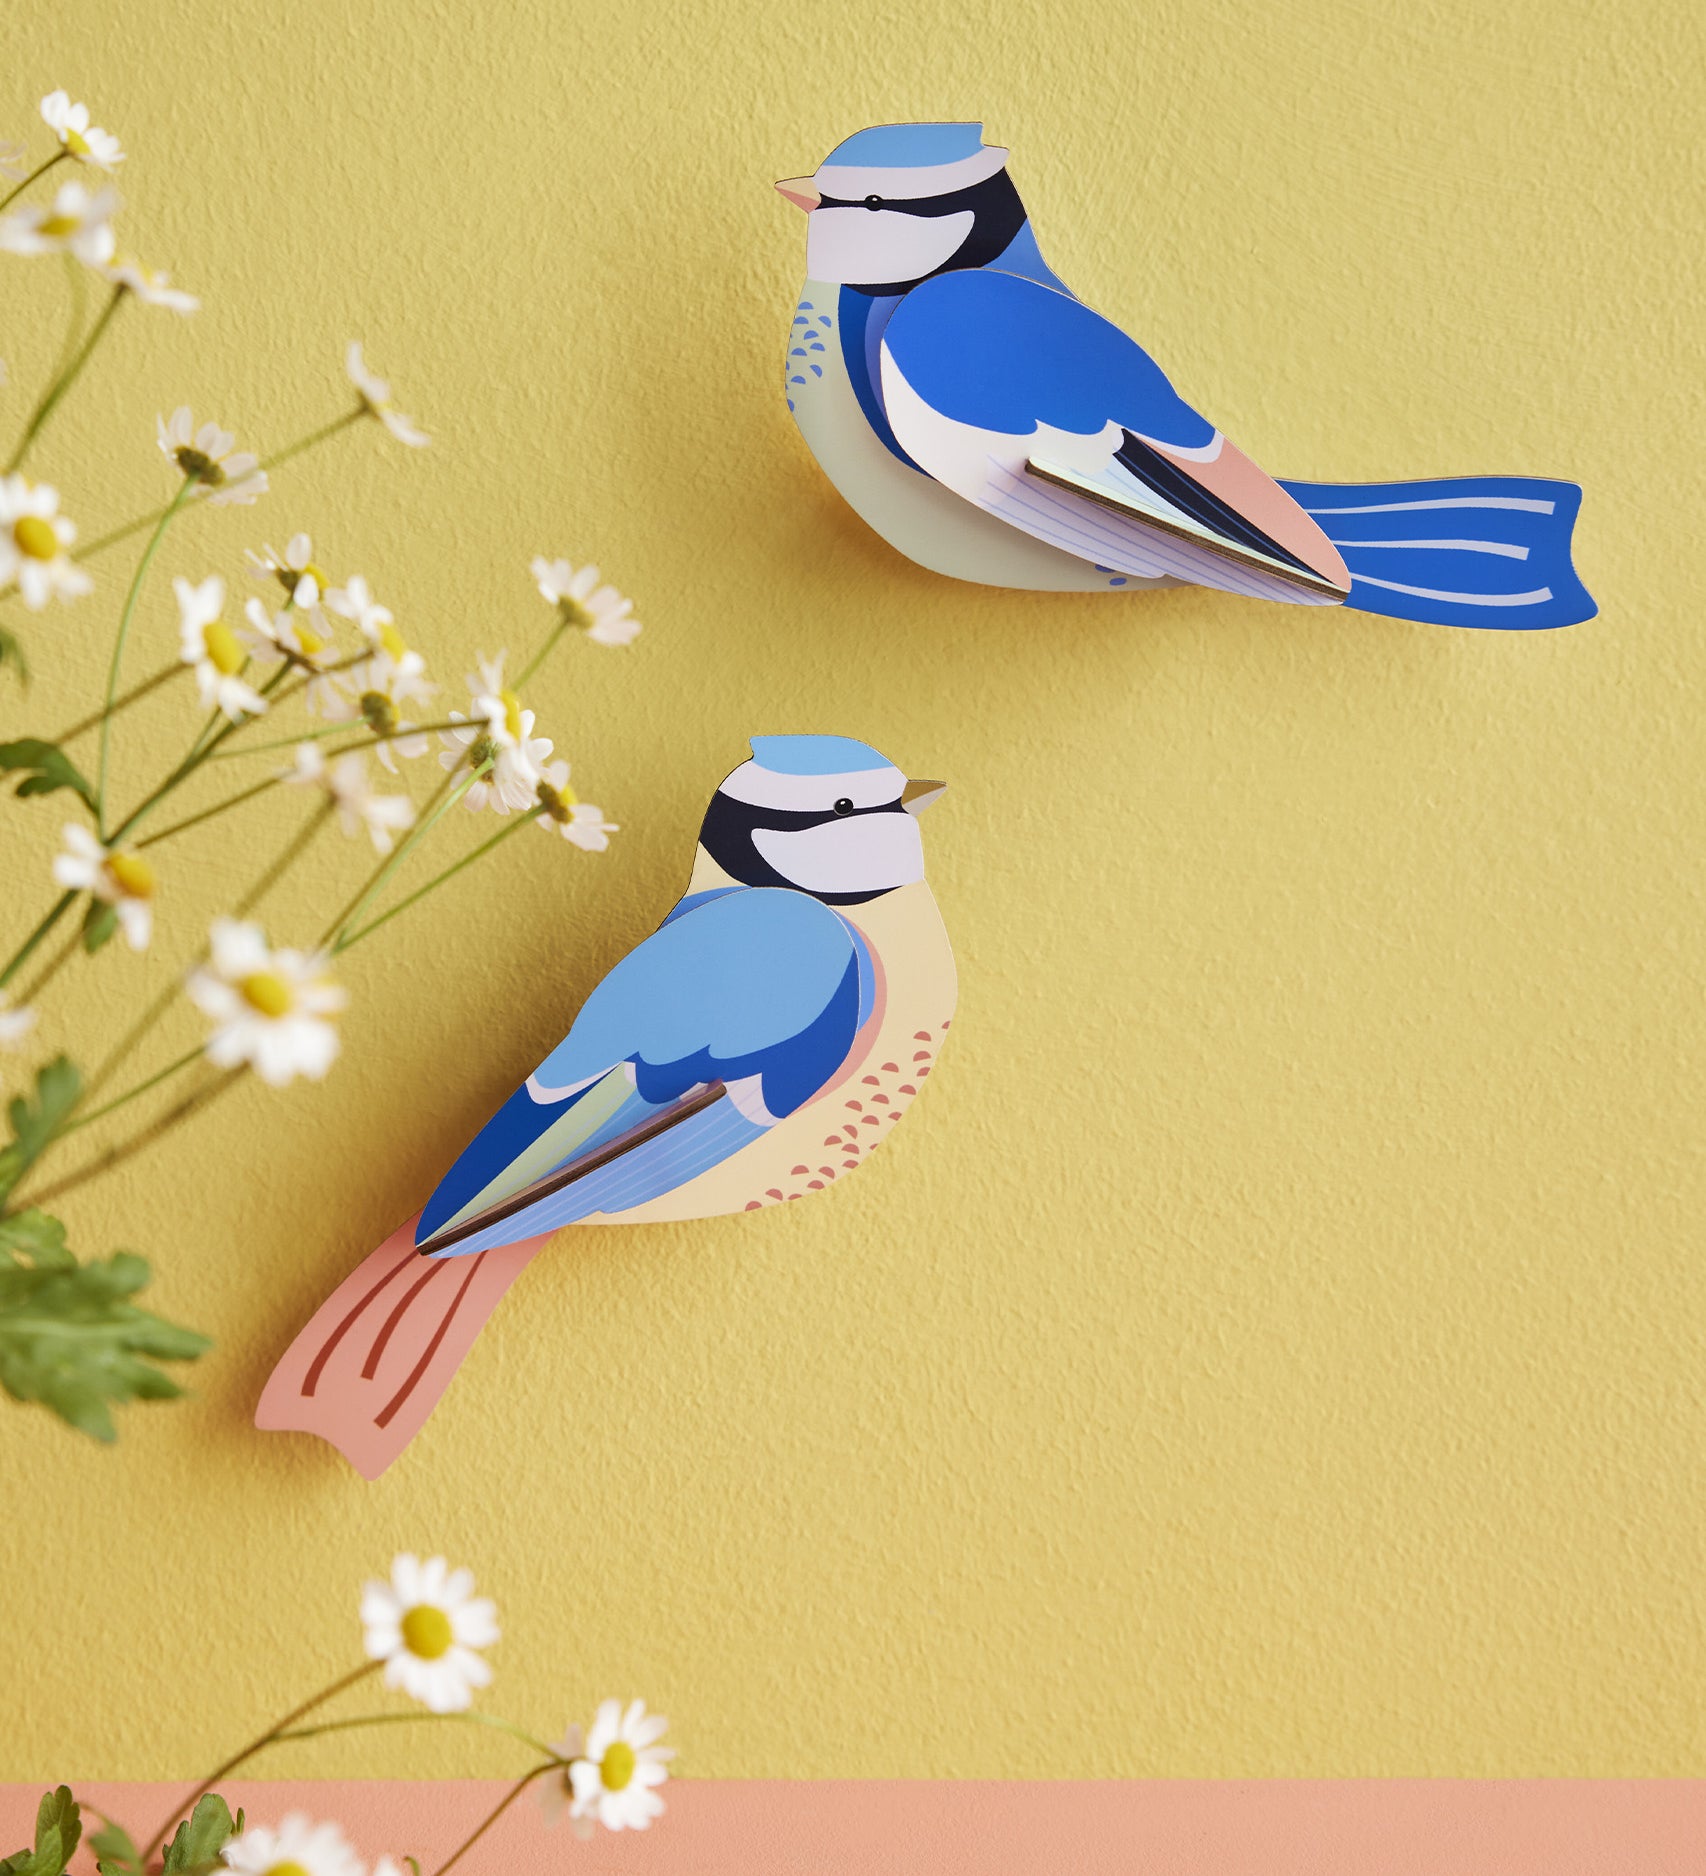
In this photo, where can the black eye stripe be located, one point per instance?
(788, 821)
(991, 191)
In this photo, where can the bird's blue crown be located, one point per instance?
(815, 755)
(908, 146)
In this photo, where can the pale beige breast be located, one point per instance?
(840, 1127)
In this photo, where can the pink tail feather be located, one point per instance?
(374, 1358)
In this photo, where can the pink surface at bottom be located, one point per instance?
(1160, 1827)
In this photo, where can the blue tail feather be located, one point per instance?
(1488, 551)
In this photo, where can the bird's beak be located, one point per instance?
(915, 797)
(799, 191)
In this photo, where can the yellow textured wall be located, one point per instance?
(1272, 1345)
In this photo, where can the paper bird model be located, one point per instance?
(756, 1047)
(992, 427)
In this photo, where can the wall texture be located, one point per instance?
(1272, 1344)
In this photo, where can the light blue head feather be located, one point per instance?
(908, 146)
(815, 755)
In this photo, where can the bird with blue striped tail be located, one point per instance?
(994, 428)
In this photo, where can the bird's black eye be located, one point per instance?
(873, 201)
(844, 805)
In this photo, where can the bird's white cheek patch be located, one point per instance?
(847, 246)
(864, 853)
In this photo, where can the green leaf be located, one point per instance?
(115, 1854)
(99, 924)
(199, 1839)
(36, 1238)
(59, 1828)
(71, 1340)
(46, 767)
(34, 1123)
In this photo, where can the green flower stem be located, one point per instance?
(130, 1094)
(208, 814)
(337, 729)
(215, 731)
(140, 1028)
(438, 806)
(315, 437)
(123, 533)
(35, 175)
(495, 1813)
(134, 695)
(272, 781)
(249, 1751)
(544, 650)
(55, 913)
(189, 482)
(63, 383)
(128, 1149)
(415, 1718)
(432, 885)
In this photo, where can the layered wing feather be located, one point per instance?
(1030, 405)
(761, 991)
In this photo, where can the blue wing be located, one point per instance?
(1002, 353)
(763, 989)
(1038, 410)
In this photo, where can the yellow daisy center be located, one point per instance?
(512, 713)
(57, 226)
(289, 1867)
(35, 537)
(76, 142)
(311, 642)
(133, 876)
(427, 1632)
(574, 613)
(392, 643)
(268, 993)
(223, 651)
(617, 1767)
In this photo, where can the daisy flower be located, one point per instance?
(304, 583)
(354, 601)
(599, 611)
(498, 726)
(373, 692)
(152, 288)
(75, 222)
(207, 643)
(616, 1779)
(375, 395)
(297, 1848)
(34, 537)
(15, 1023)
(425, 1625)
(228, 474)
(345, 783)
(269, 1008)
(116, 876)
(271, 636)
(87, 142)
(565, 813)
